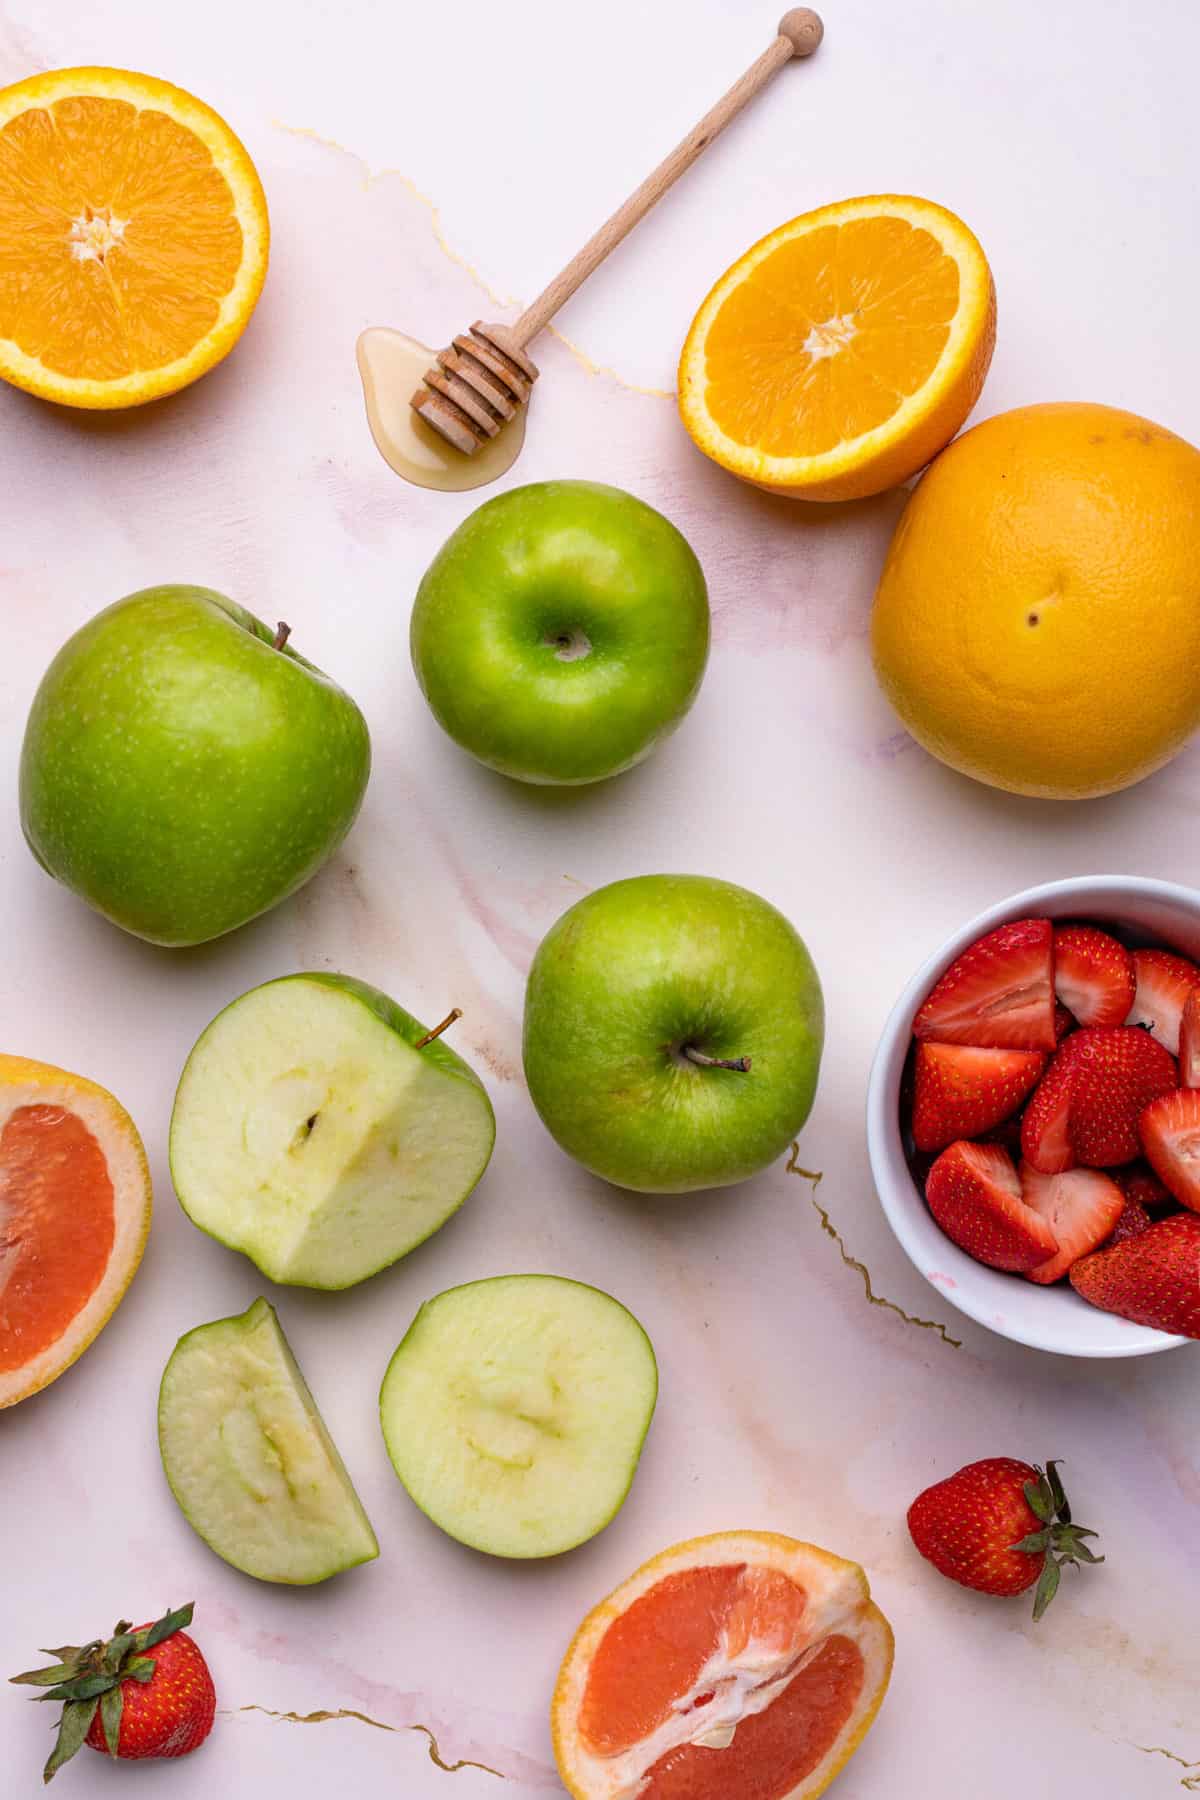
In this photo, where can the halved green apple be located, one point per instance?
(320, 1130)
(248, 1457)
(515, 1409)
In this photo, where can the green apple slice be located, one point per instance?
(248, 1458)
(515, 1409)
(316, 1130)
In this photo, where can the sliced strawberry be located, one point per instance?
(960, 1091)
(1093, 975)
(1164, 982)
(974, 1193)
(1170, 1133)
(1081, 1207)
(1133, 1221)
(1045, 1127)
(999, 994)
(1153, 1279)
(1139, 1183)
(1064, 1024)
(1115, 1073)
(1189, 1041)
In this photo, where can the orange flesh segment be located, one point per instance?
(772, 1751)
(118, 237)
(57, 1227)
(653, 1653)
(829, 334)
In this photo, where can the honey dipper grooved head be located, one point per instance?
(803, 29)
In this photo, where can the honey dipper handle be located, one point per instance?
(800, 32)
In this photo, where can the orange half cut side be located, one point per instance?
(745, 1666)
(843, 351)
(75, 1207)
(133, 237)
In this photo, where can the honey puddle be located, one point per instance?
(392, 367)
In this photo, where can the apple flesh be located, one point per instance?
(248, 1457)
(315, 1132)
(515, 1409)
(637, 997)
(182, 773)
(561, 632)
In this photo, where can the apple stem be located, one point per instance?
(283, 632)
(454, 1013)
(740, 1063)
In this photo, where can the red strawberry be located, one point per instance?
(998, 1526)
(1164, 982)
(1133, 1221)
(1045, 1135)
(1170, 1133)
(1115, 1074)
(1139, 1183)
(960, 1091)
(1153, 1279)
(1064, 1024)
(999, 994)
(1081, 1207)
(1093, 975)
(975, 1196)
(145, 1692)
(1189, 1041)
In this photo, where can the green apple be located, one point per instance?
(322, 1130)
(561, 632)
(673, 1033)
(184, 769)
(515, 1409)
(248, 1458)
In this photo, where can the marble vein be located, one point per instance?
(348, 1712)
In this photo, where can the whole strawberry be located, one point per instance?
(999, 1526)
(145, 1691)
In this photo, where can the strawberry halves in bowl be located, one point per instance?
(999, 994)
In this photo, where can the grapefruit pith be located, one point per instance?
(744, 1666)
(74, 1213)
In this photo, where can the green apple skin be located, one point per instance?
(561, 632)
(262, 1204)
(625, 980)
(182, 775)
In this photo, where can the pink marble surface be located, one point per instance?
(788, 1399)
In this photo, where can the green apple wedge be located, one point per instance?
(247, 1455)
(515, 1410)
(184, 769)
(561, 632)
(673, 1033)
(322, 1130)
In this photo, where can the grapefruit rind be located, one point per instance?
(839, 1602)
(230, 158)
(922, 424)
(24, 1082)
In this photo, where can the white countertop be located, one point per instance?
(1065, 134)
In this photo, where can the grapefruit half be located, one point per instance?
(744, 1666)
(74, 1213)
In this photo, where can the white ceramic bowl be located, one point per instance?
(1053, 1318)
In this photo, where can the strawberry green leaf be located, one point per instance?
(73, 1727)
(164, 1627)
(111, 1706)
(1038, 1497)
(66, 1652)
(116, 1650)
(83, 1687)
(139, 1668)
(50, 1677)
(1057, 1495)
(1037, 1540)
(1047, 1587)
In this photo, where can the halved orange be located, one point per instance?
(843, 351)
(133, 237)
(74, 1213)
(744, 1666)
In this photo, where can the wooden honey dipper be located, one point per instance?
(484, 377)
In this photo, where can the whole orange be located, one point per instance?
(1037, 623)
